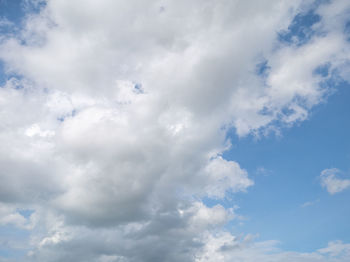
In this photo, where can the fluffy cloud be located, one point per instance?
(331, 181)
(115, 114)
(9, 215)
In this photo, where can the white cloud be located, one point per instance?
(332, 182)
(225, 175)
(117, 174)
(336, 249)
(10, 215)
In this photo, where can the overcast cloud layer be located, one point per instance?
(115, 114)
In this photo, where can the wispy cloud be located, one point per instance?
(331, 180)
(310, 203)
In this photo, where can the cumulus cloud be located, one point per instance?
(115, 114)
(225, 175)
(332, 182)
(10, 215)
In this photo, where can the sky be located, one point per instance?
(192, 131)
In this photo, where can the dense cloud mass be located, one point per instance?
(115, 114)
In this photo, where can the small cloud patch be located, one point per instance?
(331, 180)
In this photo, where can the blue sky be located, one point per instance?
(271, 80)
(292, 164)
(286, 171)
(286, 202)
(12, 10)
